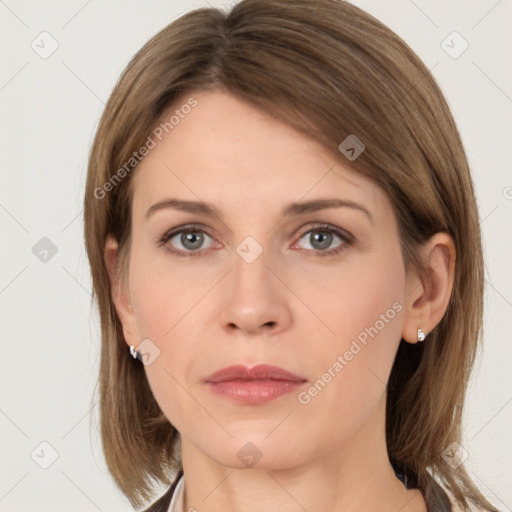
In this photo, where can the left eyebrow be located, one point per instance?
(300, 208)
(323, 204)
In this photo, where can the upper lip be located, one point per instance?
(258, 372)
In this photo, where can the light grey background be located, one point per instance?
(49, 109)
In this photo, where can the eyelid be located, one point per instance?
(193, 227)
(347, 240)
(184, 227)
(318, 226)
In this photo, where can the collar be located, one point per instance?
(177, 504)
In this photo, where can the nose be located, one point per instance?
(255, 300)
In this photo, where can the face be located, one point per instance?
(317, 292)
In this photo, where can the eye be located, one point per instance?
(189, 241)
(322, 237)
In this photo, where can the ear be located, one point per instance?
(427, 298)
(120, 293)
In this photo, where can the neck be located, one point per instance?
(354, 475)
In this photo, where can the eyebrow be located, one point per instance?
(300, 208)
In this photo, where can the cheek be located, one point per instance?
(360, 299)
(158, 292)
(371, 318)
(364, 309)
(168, 307)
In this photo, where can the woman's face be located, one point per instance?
(257, 284)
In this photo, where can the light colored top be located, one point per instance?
(177, 504)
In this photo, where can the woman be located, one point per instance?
(285, 248)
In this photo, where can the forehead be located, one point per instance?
(225, 150)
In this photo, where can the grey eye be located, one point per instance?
(321, 239)
(189, 240)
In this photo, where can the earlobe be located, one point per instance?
(428, 297)
(119, 292)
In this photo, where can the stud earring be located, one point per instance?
(421, 335)
(135, 353)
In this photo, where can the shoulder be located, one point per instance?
(162, 503)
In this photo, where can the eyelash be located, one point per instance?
(347, 239)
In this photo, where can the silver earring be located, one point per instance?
(135, 354)
(421, 335)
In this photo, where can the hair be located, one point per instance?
(329, 70)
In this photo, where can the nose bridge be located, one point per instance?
(251, 276)
(251, 264)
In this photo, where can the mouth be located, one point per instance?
(253, 386)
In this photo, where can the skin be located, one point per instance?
(291, 307)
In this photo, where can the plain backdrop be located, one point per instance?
(49, 108)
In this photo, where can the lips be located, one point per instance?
(261, 372)
(253, 386)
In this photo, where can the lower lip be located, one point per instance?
(254, 392)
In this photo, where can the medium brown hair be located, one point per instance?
(330, 70)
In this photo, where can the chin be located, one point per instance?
(253, 451)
